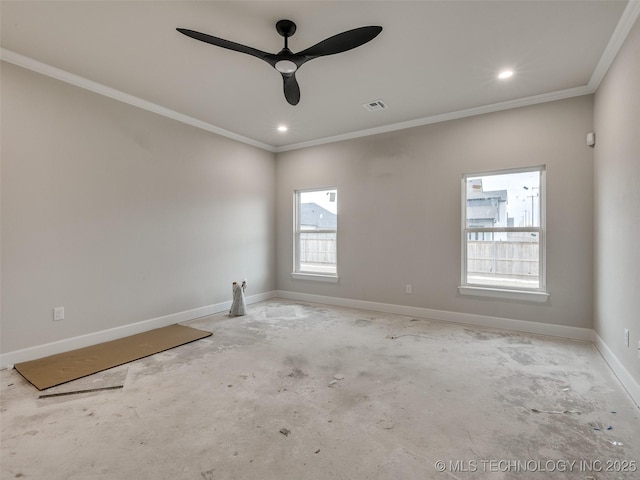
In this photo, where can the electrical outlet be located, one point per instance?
(407, 288)
(638, 348)
(626, 337)
(58, 313)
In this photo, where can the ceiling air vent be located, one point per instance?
(375, 105)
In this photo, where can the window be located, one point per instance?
(316, 228)
(503, 231)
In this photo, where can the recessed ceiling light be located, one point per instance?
(282, 128)
(503, 75)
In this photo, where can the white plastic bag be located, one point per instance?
(238, 307)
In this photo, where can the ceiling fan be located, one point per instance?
(285, 61)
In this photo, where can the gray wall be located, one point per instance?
(399, 209)
(120, 215)
(617, 204)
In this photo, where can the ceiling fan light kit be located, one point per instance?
(285, 61)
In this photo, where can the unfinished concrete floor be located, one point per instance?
(304, 391)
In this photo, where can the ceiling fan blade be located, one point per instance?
(291, 88)
(220, 42)
(342, 42)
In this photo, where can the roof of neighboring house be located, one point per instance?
(501, 194)
(313, 215)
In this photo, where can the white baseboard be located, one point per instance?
(574, 333)
(32, 353)
(626, 379)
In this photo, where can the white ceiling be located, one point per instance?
(434, 60)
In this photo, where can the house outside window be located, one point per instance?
(503, 233)
(316, 229)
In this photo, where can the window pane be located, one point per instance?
(503, 200)
(316, 231)
(511, 262)
(318, 252)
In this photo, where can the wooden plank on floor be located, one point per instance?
(64, 367)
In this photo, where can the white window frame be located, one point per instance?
(298, 273)
(539, 294)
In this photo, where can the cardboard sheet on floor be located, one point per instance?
(61, 368)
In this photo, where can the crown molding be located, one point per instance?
(626, 22)
(78, 81)
(469, 112)
(64, 76)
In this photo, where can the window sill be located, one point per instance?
(536, 297)
(314, 276)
